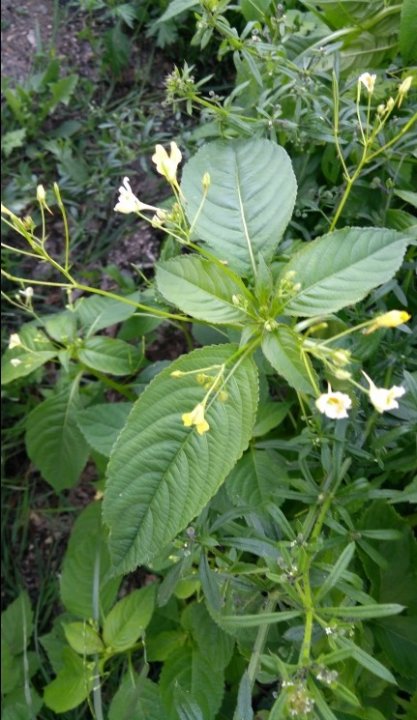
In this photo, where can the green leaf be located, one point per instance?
(254, 9)
(159, 647)
(231, 622)
(244, 700)
(35, 350)
(101, 424)
(86, 562)
(12, 140)
(97, 313)
(63, 89)
(406, 195)
(254, 478)
(337, 571)
(161, 473)
(111, 356)
(202, 289)
(128, 619)
(408, 25)
(213, 643)
(137, 698)
(190, 671)
(53, 441)
(341, 268)
(249, 202)
(363, 612)
(175, 8)
(283, 348)
(71, 686)
(270, 414)
(83, 638)
(11, 669)
(398, 639)
(366, 660)
(17, 624)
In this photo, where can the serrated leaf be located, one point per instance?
(111, 356)
(161, 474)
(12, 140)
(53, 441)
(102, 424)
(83, 638)
(341, 268)
(249, 202)
(137, 698)
(127, 620)
(201, 289)
(254, 478)
(63, 89)
(17, 624)
(191, 671)
(86, 557)
(283, 348)
(71, 686)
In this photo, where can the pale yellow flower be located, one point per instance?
(14, 341)
(15, 362)
(334, 404)
(166, 164)
(390, 319)
(368, 81)
(384, 398)
(196, 417)
(405, 85)
(40, 194)
(128, 202)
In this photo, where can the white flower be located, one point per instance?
(27, 293)
(14, 341)
(128, 202)
(382, 398)
(368, 81)
(334, 404)
(15, 362)
(166, 164)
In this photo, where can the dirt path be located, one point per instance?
(30, 26)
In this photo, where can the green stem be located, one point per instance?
(97, 699)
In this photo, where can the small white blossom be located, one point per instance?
(27, 293)
(384, 398)
(14, 341)
(128, 202)
(334, 404)
(15, 362)
(368, 81)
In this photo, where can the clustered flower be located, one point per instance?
(166, 165)
(196, 417)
